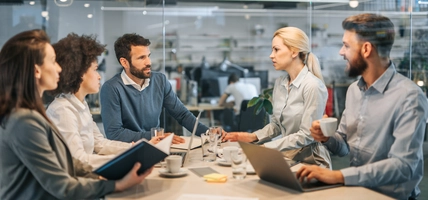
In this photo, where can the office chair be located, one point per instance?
(248, 121)
(228, 120)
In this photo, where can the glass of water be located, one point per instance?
(239, 164)
(157, 131)
(210, 150)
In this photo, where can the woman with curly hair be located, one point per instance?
(77, 56)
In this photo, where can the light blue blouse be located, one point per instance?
(295, 107)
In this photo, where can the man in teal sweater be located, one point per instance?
(132, 101)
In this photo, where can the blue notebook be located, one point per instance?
(142, 152)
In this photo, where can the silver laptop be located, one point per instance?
(185, 154)
(271, 166)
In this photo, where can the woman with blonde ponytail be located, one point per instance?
(298, 99)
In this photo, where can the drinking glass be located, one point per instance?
(239, 164)
(157, 131)
(216, 131)
(212, 147)
(205, 146)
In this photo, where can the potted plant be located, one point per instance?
(262, 101)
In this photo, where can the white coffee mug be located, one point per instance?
(173, 163)
(328, 126)
(226, 151)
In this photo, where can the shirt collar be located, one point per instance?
(382, 82)
(128, 81)
(299, 79)
(75, 101)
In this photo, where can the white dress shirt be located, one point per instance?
(84, 139)
(128, 81)
(241, 91)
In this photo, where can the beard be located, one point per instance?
(139, 73)
(356, 67)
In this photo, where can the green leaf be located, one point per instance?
(259, 107)
(253, 101)
(268, 92)
(268, 106)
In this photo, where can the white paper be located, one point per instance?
(211, 197)
(165, 143)
(196, 143)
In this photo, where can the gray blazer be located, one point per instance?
(35, 163)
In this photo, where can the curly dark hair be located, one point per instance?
(123, 44)
(75, 55)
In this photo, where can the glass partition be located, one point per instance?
(191, 34)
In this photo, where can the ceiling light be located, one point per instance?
(353, 3)
(86, 5)
(32, 2)
(90, 16)
(63, 3)
(45, 13)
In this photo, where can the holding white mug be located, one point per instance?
(328, 126)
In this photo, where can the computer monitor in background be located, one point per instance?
(222, 83)
(263, 75)
(209, 84)
(210, 88)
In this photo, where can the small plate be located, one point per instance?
(223, 162)
(166, 173)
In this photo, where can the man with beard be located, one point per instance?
(383, 125)
(132, 101)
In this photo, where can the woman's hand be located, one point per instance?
(132, 178)
(239, 136)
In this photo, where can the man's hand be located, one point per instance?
(175, 139)
(321, 174)
(156, 139)
(316, 132)
(239, 136)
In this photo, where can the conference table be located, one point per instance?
(192, 187)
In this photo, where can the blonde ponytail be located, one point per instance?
(314, 65)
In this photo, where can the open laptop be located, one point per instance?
(184, 154)
(271, 166)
